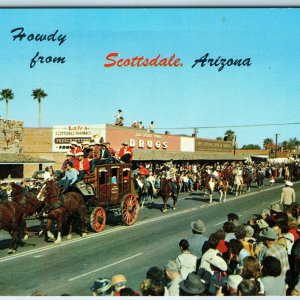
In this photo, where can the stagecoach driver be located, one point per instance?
(126, 153)
(69, 178)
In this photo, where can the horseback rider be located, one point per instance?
(143, 173)
(171, 175)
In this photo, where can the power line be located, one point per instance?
(231, 126)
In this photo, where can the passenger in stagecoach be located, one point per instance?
(86, 148)
(69, 178)
(105, 156)
(82, 165)
(112, 151)
(125, 153)
(75, 148)
(70, 158)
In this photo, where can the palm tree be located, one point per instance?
(267, 141)
(39, 94)
(7, 94)
(229, 135)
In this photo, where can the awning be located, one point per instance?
(21, 159)
(144, 155)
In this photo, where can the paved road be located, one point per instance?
(72, 266)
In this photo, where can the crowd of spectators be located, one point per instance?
(260, 257)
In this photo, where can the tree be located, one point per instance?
(6, 94)
(229, 135)
(267, 142)
(39, 94)
(251, 146)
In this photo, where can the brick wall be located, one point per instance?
(38, 142)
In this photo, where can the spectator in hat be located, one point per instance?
(69, 178)
(272, 278)
(172, 274)
(219, 276)
(192, 286)
(232, 284)
(118, 282)
(125, 153)
(269, 238)
(211, 252)
(197, 241)
(102, 287)
(186, 261)
(82, 165)
(288, 195)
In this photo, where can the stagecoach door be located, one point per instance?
(114, 187)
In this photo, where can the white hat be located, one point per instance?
(74, 143)
(69, 153)
(79, 153)
(85, 143)
(288, 183)
(218, 262)
(124, 144)
(234, 281)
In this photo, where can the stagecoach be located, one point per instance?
(109, 189)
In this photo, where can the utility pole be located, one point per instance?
(276, 139)
(234, 144)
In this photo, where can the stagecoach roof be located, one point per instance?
(20, 159)
(152, 155)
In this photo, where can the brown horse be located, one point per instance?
(166, 191)
(28, 201)
(11, 220)
(61, 207)
(247, 179)
(223, 187)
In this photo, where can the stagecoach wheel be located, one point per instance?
(98, 219)
(130, 209)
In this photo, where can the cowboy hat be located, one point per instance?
(124, 144)
(268, 234)
(218, 262)
(192, 284)
(276, 207)
(198, 226)
(288, 183)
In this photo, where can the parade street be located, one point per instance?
(72, 266)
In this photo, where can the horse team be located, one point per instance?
(49, 202)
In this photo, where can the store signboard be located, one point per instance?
(63, 135)
(213, 145)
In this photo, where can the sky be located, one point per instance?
(83, 91)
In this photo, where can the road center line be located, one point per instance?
(105, 267)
